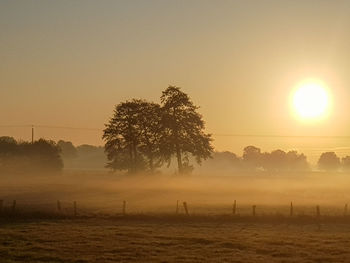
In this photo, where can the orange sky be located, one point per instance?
(67, 63)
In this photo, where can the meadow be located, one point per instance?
(151, 231)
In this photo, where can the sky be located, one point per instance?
(68, 63)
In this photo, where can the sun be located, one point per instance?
(311, 100)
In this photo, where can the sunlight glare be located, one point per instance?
(311, 100)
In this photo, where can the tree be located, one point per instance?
(183, 130)
(150, 133)
(45, 154)
(297, 162)
(252, 157)
(346, 163)
(279, 160)
(133, 136)
(24, 157)
(67, 148)
(329, 161)
(8, 145)
(122, 138)
(274, 161)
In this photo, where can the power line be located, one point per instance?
(214, 134)
(282, 136)
(51, 127)
(68, 128)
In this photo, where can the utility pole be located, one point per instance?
(32, 134)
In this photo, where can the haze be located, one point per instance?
(67, 63)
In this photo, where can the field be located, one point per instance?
(111, 240)
(150, 231)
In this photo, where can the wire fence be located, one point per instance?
(13, 209)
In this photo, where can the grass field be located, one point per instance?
(151, 231)
(163, 240)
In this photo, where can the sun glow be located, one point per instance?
(311, 100)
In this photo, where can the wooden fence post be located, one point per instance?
(14, 206)
(59, 206)
(346, 210)
(291, 212)
(124, 208)
(75, 208)
(254, 207)
(186, 208)
(177, 206)
(234, 208)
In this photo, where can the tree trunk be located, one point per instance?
(151, 167)
(177, 147)
(135, 156)
(178, 157)
(131, 166)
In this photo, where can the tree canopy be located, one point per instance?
(142, 135)
(329, 161)
(183, 129)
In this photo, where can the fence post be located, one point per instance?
(254, 207)
(75, 208)
(186, 208)
(177, 206)
(58, 206)
(234, 208)
(124, 208)
(291, 212)
(346, 210)
(14, 206)
(1, 205)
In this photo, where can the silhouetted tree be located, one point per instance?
(252, 157)
(274, 161)
(151, 133)
(89, 150)
(329, 161)
(67, 148)
(297, 162)
(224, 162)
(122, 138)
(46, 154)
(24, 157)
(133, 136)
(346, 163)
(183, 130)
(8, 146)
(227, 157)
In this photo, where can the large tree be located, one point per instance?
(183, 129)
(133, 136)
(150, 133)
(121, 136)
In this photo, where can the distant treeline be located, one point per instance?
(82, 157)
(46, 156)
(253, 159)
(23, 157)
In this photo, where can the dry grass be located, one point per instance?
(161, 240)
